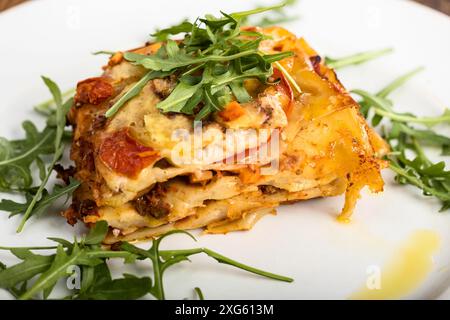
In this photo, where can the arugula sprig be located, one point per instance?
(211, 62)
(96, 280)
(406, 140)
(18, 158)
(356, 59)
(277, 16)
(58, 146)
(162, 260)
(47, 199)
(49, 269)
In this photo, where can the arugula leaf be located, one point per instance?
(237, 87)
(105, 52)
(382, 108)
(397, 83)
(96, 280)
(53, 267)
(18, 156)
(355, 59)
(15, 292)
(277, 16)
(97, 233)
(47, 108)
(404, 139)
(180, 59)
(31, 266)
(57, 269)
(135, 90)
(162, 260)
(179, 97)
(60, 119)
(127, 288)
(217, 55)
(44, 202)
(163, 34)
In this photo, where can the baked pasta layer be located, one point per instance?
(132, 178)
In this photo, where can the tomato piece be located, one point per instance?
(93, 91)
(124, 155)
(285, 89)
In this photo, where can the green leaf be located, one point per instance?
(134, 91)
(427, 137)
(57, 270)
(105, 52)
(247, 13)
(43, 203)
(23, 271)
(96, 280)
(54, 90)
(47, 108)
(239, 91)
(397, 83)
(97, 233)
(209, 50)
(355, 59)
(404, 139)
(91, 275)
(60, 121)
(176, 101)
(382, 108)
(446, 149)
(277, 16)
(163, 34)
(33, 150)
(127, 288)
(162, 260)
(182, 59)
(65, 243)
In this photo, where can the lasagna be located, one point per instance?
(129, 164)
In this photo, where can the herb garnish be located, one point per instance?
(212, 61)
(356, 59)
(404, 139)
(96, 280)
(18, 157)
(43, 203)
(277, 16)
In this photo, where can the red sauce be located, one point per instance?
(124, 155)
(93, 91)
(285, 89)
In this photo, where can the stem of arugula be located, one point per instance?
(405, 118)
(26, 154)
(356, 58)
(222, 259)
(38, 194)
(41, 107)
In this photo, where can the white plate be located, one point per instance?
(327, 259)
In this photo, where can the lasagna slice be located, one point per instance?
(130, 167)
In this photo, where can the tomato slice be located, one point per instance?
(93, 91)
(124, 155)
(284, 88)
